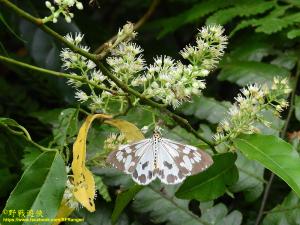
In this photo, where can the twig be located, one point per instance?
(27, 138)
(54, 73)
(282, 135)
(136, 26)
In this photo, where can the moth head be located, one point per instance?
(157, 129)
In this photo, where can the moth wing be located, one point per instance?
(176, 161)
(136, 159)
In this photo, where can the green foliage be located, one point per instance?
(123, 200)
(251, 178)
(242, 9)
(273, 153)
(163, 207)
(297, 107)
(40, 188)
(245, 72)
(286, 213)
(213, 182)
(102, 188)
(192, 14)
(263, 43)
(66, 128)
(205, 108)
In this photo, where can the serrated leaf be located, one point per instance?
(123, 200)
(41, 187)
(286, 213)
(197, 11)
(205, 108)
(218, 215)
(211, 183)
(243, 9)
(162, 207)
(67, 127)
(244, 72)
(102, 188)
(273, 153)
(251, 178)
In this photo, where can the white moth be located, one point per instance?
(161, 158)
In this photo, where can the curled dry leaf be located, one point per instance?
(84, 190)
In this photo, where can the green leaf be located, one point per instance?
(218, 215)
(205, 108)
(297, 107)
(252, 48)
(102, 188)
(293, 33)
(272, 23)
(273, 153)
(160, 204)
(211, 183)
(123, 200)
(286, 60)
(30, 154)
(243, 72)
(286, 213)
(48, 116)
(251, 178)
(67, 127)
(41, 187)
(242, 9)
(197, 11)
(7, 179)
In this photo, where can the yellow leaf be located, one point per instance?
(130, 131)
(63, 212)
(84, 183)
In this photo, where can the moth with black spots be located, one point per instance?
(161, 158)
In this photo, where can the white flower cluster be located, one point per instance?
(168, 80)
(63, 8)
(210, 45)
(248, 108)
(86, 68)
(126, 61)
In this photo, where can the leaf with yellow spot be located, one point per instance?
(84, 190)
(130, 131)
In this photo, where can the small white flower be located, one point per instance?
(145, 129)
(81, 96)
(90, 65)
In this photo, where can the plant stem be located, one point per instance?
(37, 21)
(53, 73)
(26, 136)
(282, 135)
